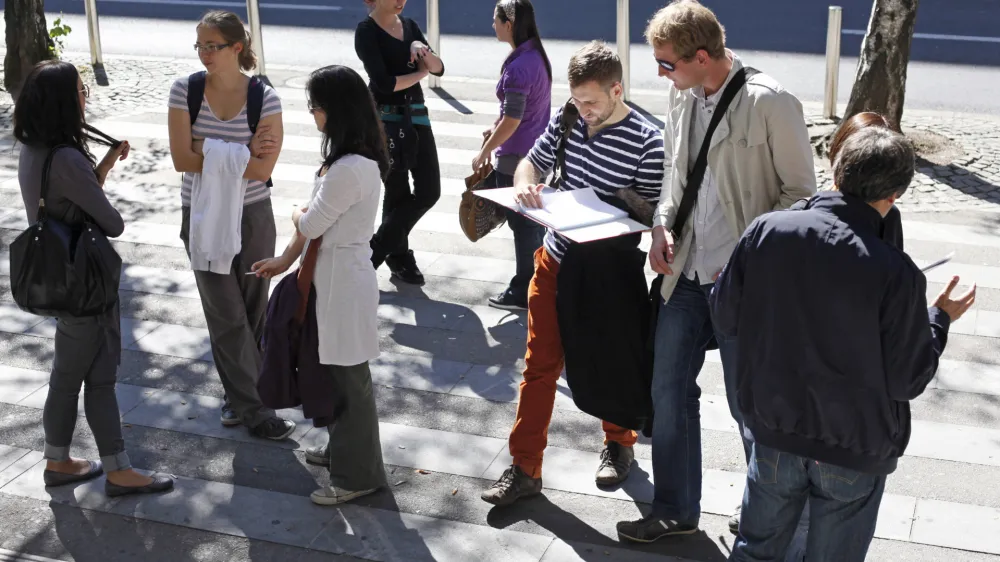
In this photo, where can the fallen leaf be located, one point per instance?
(422, 471)
(455, 491)
(257, 471)
(402, 447)
(127, 425)
(192, 417)
(183, 403)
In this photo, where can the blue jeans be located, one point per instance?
(843, 508)
(683, 331)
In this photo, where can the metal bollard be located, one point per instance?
(832, 62)
(624, 43)
(93, 32)
(434, 36)
(256, 36)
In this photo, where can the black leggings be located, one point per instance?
(402, 208)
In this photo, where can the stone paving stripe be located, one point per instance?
(419, 373)
(368, 533)
(572, 551)
(958, 234)
(176, 341)
(502, 384)
(15, 320)
(129, 396)
(10, 455)
(16, 383)
(449, 452)
(955, 525)
(13, 556)
(18, 467)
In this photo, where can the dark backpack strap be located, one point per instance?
(570, 115)
(697, 173)
(46, 168)
(195, 94)
(255, 105)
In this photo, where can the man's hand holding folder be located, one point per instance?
(530, 195)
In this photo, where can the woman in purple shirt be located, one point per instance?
(525, 94)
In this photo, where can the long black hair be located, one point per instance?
(352, 122)
(525, 28)
(47, 112)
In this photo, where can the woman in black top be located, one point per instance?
(396, 57)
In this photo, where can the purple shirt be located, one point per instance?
(524, 72)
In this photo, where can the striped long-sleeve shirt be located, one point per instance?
(236, 130)
(628, 154)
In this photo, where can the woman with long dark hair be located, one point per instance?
(49, 123)
(342, 211)
(396, 57)
(215, 105)
(525, 94)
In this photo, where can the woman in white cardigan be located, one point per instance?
(343, 211)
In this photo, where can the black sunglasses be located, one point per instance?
(671, 66)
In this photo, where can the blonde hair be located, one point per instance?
(688, 27)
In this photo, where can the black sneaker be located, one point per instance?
(405, 268)
(229, 417)
(616, 462)
(513, 485)
(506, 301)
(651, 528)
(274, 428)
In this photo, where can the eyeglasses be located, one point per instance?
(211, 48)
(312, 108)
(85, 90)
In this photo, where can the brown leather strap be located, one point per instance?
(304, 278)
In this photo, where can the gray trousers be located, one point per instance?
(88, 351)
(235, 305)
(355, 450)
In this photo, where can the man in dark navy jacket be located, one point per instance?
(835, 339)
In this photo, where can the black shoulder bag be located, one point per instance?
(570, 115)
(58, 270)
(697, 173)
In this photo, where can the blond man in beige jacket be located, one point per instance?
(759, 160)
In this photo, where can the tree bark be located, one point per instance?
(27, 40)
(880, 84)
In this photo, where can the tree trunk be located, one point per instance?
(27, 40)
(880, 83)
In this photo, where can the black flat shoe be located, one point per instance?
(159, 484)
(53, 478)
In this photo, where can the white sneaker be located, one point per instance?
(331, 495)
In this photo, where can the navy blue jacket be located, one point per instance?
(835, 336)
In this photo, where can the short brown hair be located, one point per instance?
(597, 62)
(230, 26)
(860, 121)
(688, 27)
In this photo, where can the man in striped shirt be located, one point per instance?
(617, 152)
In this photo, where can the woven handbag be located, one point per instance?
(477, 216)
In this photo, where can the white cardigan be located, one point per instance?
(217, 206)
(343, 211)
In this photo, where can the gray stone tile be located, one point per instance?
(722, 491)
(152, 234)
(132, 329)
(19, 467)
(389, 536)
(895, 517)
(956, 443)
(15, 320)
(129, 397)
(572, 551)
(177, 341)
(10, 455)
(5, 267)
(573, 471)
(87, 495)
(417, 373)
(199, 415)
(988, 324)
(438, 451)
(967, 376)
(476, 269)
(232, 510)
(502, 384)
(159, 281)
(955, 525)
(17, 384)
(13, 219)
(966, 325)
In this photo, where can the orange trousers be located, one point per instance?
(544, 362)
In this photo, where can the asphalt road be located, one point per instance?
(962, 31)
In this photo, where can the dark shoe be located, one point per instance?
(53, 478)
(651, 528)
(513, 485)
(734, 521)
(274, 428)
(318, 455)
(616, 462)
(229, 417)
(506, 301)
(159, 484)
(405, 268)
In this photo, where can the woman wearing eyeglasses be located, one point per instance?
(234, 302)
(396, 57)
(49, 123)
(525, 94)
